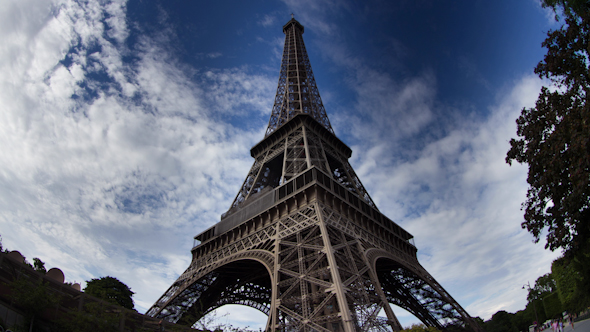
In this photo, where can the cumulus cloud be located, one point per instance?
(461, 202)
(230, 90)
(106, 165)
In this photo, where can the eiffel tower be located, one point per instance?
(303, 242)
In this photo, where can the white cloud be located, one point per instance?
(461, 201)
(109, 182)
(267, 20)
(214, 55)
(210, 55)
(312, 14)
(231, 90)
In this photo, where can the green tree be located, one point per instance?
(552, 305)
(421, 328)
(501, 321)
(2, 249)
(92, 317)
(480, 322)
(544, 285)
(537, 311)
(570, 7)
(39, 265)
(110, 289)
(571, 284)
(32, 297)
(554, 139)
(522, 319)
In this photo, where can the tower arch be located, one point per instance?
(243, 278)
(409, 286)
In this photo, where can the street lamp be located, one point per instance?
(528, 284)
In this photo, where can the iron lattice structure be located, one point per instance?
(303, 242)
(297, 91)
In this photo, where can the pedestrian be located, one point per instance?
(571, 321)
(561, 325)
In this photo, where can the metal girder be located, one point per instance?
(297, 91)
(296, 151)
(324, 272)
(241, 282)
(407, 290)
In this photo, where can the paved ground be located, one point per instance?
(581, 326)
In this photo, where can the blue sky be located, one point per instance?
(125, 129)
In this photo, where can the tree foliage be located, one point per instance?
(572, 285)
(2, 249)
(39, 265)
(552, 305)
(92, 317)
(110, 289)
(544, 285)
(501, 321)
(421, 328)
(32, 298)
(554, 139)
(523, 319)
(570, 7)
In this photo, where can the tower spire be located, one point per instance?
(297, 92)
(299, 134)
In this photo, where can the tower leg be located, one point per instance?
(391, 318)
(342, 303)
(271, 323)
